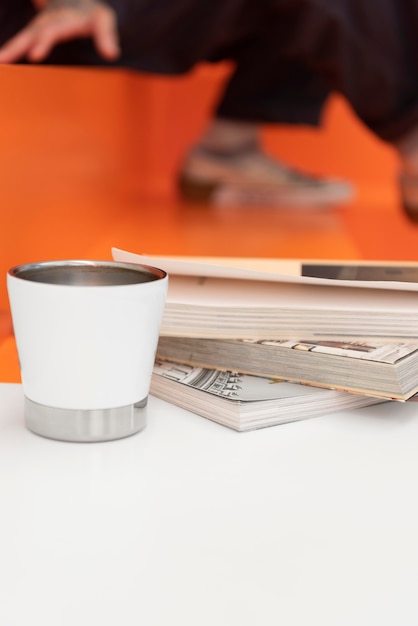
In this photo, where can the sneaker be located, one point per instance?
(252, 177)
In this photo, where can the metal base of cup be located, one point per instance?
(85, 426)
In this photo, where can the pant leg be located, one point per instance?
(288, 94)
(366, 50)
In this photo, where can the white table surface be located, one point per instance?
(191, 524)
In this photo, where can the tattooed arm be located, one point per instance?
(62, 20)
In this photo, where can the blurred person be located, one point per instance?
(288, 56)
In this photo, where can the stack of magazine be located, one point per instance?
(250, 349)
(245, 402)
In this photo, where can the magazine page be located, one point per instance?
(288, 269)
(188, 293)
(360, 350)
(400, 276)
(233, 386)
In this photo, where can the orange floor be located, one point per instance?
(88, 160)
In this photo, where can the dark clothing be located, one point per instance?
(289, 54)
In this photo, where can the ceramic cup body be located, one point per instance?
(86, 334)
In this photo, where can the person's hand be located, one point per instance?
(62, 20)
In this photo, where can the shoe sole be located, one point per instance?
(219, 194)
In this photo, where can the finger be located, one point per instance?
(53, 32)
(17, 47)
(42, 46)
(105, 33)
(37, 39)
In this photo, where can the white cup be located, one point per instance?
(86, 335)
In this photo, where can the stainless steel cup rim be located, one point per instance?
(85, 272)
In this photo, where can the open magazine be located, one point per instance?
(244, 402)
(367, 274)
(218, 302)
